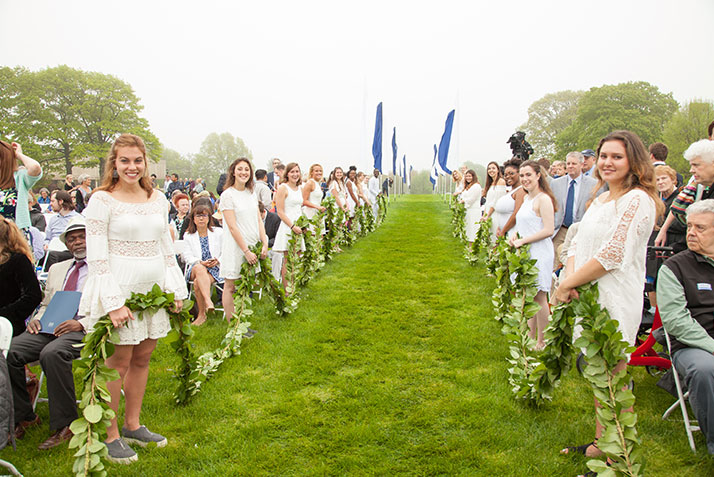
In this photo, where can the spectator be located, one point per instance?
(684, 287)
(174, 185)
(262, 189)
(588, 162)
(202, 257)
(68, 182)
(44, 198)
(658, 155)
(16, 182)
(221, 183)
(55, 350)
(557, 169)
(274, 177)
(62, 203)
(572, 193)
(271, 222)
(198, 188)
(19, 289)
(167, 183)
(710, 130)
(701, 164)
(153, 181)
(183, 206)
(36, 218)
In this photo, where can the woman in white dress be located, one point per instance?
(506, 208)
(471, 198)
(351, 191)
(312, 193)
(611, 242)
(242, 228)
(361, 187)
(458, 179)
(129, 249)
(494, 189)
(288, 202)
(534, 224)
(337, 188)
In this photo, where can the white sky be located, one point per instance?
(301, 80)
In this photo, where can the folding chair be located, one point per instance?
(689, 424)
(180, 249)
(55, 245)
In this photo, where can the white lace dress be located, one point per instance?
(472, 202)
(293, 209)
(615, 233)
(129, 249)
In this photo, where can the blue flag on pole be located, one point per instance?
(433, 174)
(445, 141)
(404, 169)
(394, 151)
(377, 143)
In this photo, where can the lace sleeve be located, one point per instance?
(626, 237)
(101, 291)
(174, 282)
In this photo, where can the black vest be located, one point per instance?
(697, 278)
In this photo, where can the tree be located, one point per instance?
(548, 117)
(67, 116)
(686, 126)
(177, 164)
(216, 154)
(636, 106)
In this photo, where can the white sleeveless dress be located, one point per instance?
(293, 209)
(528, 223)
(503, 208)
(472, 201)
(315, 197)
(244, 205)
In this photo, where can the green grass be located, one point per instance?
(393, 364)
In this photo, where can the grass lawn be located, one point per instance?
(393, 364)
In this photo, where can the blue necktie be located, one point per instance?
(568, 219)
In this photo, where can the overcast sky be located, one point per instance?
(301, 80)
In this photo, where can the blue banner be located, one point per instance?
(445, 141)
(377, 143)
(394, 151)
(433, 174)
(404, 169)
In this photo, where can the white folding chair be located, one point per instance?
(690, 425)
(5, 335)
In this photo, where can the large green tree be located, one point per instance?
(68, 117)
(177, 164)
(636, 106)
(686, 126)
(548, 117)
(216, 154)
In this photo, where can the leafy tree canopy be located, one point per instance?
(686, 126)
(216, 154)
(64, 116)
(636, 106)
(548, 117)
(177, 164)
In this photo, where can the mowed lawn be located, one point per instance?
(392, 365)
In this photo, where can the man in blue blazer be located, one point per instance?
(572, 191)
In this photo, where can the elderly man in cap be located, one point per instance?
(685, 292)
(55, 350)
(588, 162)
